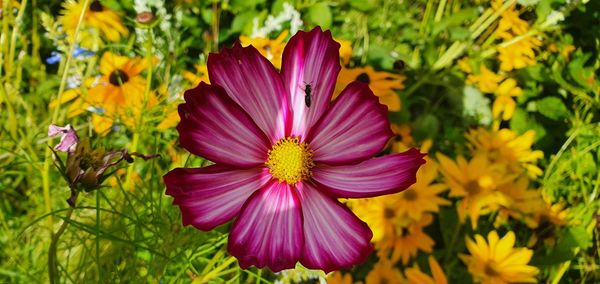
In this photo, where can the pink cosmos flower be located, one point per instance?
(281, 162)
(68, 137)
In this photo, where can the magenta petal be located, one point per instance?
(378, 176)
(310, 58)
(354, 129)
(211, 196)
(268, 231)
(252, 82)
(334, 238)
(214, 127)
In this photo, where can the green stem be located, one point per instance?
(140, 119)
(440, 11)
(52, 260)
(98, 236)
(48, 153)
(13, 38)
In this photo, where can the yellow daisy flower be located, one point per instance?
(507, 147)
(384, 272)
(476, 182)
(402, 138)
(172, 117)
(547, 218)
(497, 261)
(487, 81)
(383, 84)
(201, 75)
(272, 49)
(422, 196)
(75, 98)
(345, 50)
(409, 240)
(554, 213)
(464, 65)
(510, 24)
(339, 278)
(381, 214)
(119, 91)
(414, 275)
(524, 203)
(97, 16)
(519, 54)
(505, 104)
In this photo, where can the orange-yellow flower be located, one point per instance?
(119, 92)
(414, 275)
(476, 182)
(487, 81)
(504, 105)
(506, 147)
(272, 49)
(97, 16)
(384, 272)
(383, 84)
(498, 261)
(422, 196)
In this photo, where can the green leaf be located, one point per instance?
(448, 223)
(528, 2)
(425, 126)
(364, 5)
(320, 15)
(244, 5)
(564, 250)
(456, 19)
(242, 20)
(583, 76)
(522, 122)
(580, 236)
(459, 33)
(552, 107)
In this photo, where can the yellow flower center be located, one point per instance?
(289, 160)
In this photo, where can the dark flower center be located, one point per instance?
(118, 77)
(490, 271)
(399, 65)
(472, 187)
(389, 213)
(410, 195)
(96, 6)
(363, 77)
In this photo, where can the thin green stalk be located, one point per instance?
(556, 157)
(13, 38)
(440, 11)
(61, 88)
(140, 119)
(215, 25)
(52, 260)
(218, 269)
(98, 237)
(426, 15)
(6, 17)
(477, 31)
